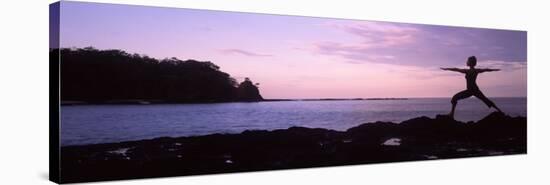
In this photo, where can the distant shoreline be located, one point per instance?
(148, 102)
(335, 99)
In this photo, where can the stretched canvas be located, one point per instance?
(140, 92)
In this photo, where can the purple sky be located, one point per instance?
(305, 57)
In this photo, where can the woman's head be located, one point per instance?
(472, 61)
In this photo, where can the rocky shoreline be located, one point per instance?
(420, 138)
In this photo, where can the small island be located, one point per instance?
(92, 76)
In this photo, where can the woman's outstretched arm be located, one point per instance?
(454, 69)
(487, 70)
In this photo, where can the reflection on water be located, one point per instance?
(86, 124)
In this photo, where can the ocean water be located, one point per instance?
(88, 124)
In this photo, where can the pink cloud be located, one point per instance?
(357, 53)
(373, 36)
(244, 52)
(376, 34)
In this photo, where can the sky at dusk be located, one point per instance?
(306, 57)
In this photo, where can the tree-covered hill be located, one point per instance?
(99, 76)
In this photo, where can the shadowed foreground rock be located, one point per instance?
(420, 138)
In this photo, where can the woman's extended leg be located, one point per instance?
(486, 100)
(458, 96)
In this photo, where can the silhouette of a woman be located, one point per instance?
(471, 87)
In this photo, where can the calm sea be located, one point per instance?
(87, 124)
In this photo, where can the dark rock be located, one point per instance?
(420, 138)
(247, 91)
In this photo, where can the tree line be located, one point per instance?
(96, 76)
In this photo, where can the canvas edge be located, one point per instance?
(54, 86)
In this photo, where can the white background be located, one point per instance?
(24, 92)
